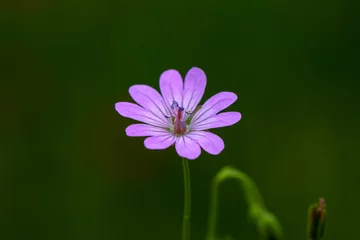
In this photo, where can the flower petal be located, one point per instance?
(171, 86)
(159, 142)
(133, 111)
(144, 130)
(151, 100)
(214, 105)
(194, 88)
(221, 120)
(210, 142)
(187, 148)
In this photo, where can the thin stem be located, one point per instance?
(187, 200)
(213, 211)
(267, 223)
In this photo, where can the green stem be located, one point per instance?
(266, 222)
(187, 200)
(213, 211)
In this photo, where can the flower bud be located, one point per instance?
(316, 220)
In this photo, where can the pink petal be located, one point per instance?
(215, 104)
(133, 111)
(187, 148)
(171, 86)
(221, 120)
(159, 142)
(194, 87)
(210, 142)
(151, 100)
(144, 130)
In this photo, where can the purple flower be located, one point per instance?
(175, 117)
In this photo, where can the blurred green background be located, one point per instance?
(67, 169)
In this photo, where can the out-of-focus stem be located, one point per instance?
(187, 200)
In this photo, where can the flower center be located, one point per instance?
(179, 121)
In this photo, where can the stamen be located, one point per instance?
(174, 104)
(179, 123)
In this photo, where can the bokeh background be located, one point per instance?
(67, 169)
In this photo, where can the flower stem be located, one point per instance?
(268, 225)
(187, 201)
(213, 211)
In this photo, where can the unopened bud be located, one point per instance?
(317, 220)
(268, 226)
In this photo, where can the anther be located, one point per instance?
(174, 104)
